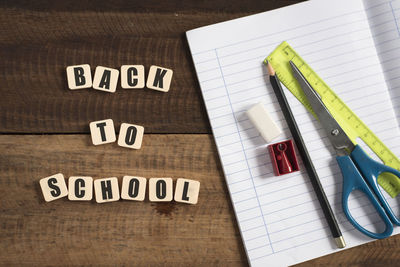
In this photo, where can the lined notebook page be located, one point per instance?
(384, 17)
(280, 219)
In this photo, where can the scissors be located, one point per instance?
(360, 172)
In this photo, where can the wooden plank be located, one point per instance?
(53, 35)
(36, 99)
(151, 5)
(142, 233)
(64, 232)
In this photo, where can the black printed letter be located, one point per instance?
(79, 78)
(132, 72)
(158, 78)
(52, 184)
(133, 189)
(105, 79)
(106, 190)
(161, 189)
(79, 183)
(130, 136)
(185, 191)
(102, 131)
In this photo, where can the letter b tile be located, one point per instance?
(79, 77)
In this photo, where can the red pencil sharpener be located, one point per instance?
(283, 157)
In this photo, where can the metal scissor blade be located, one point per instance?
(336, 134)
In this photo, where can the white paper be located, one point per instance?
(280, 218)
(384, 19)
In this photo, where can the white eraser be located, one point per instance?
(261, 119)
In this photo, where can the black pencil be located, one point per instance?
(294, 129)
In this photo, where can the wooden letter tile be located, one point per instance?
(133, 188)
(187, 191)
(106, 190)
(130, 135)
(105, 79)
(102, 132)
(80, 188)
(53, 187)
(79, 77)
(132, 76)
(160, 189)
(159, 78)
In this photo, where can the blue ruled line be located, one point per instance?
(394, 16)
(240, 137)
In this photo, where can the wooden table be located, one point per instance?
(44, 130)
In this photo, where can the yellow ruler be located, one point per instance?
(351, 124)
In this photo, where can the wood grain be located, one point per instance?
(39, 40)
(35, 97)
(63, 232)
(33, 232)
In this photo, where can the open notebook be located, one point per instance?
(354, 45)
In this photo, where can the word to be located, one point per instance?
(103, 132)
(107, 189)
(106, 79)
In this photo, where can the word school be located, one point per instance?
(106, 79)
(107, 189)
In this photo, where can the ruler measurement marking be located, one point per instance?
(352, 124)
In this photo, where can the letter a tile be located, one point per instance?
(105, 79)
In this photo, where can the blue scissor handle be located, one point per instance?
(352, 180)
(371, 169)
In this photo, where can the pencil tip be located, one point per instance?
(271, 70)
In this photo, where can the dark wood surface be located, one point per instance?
(38, 40)
(44, 130)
